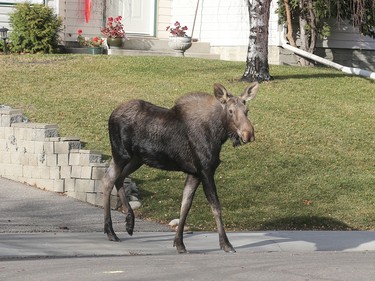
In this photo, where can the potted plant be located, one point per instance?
(178, 40)
(93, 44)
(114, 31)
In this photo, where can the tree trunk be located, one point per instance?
(307, 37)
(313, 33)
(257, 68)
(288, 14)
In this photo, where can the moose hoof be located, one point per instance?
(113, 237)
(182, 250)
(110, 233)
(228, 248)
(129, 223)
(180, 247)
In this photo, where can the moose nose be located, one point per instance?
(247, 136)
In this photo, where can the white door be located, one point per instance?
(138, 16)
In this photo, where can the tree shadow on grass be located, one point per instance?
(317, 76)
(305, 223)
(308, 76)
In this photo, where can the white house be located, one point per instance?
(222, 24)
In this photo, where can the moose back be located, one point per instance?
(187, 137)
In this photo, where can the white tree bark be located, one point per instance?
(257, 68)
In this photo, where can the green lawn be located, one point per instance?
(312, 165)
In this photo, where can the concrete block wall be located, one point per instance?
(33, 153)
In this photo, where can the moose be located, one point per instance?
(187, 137)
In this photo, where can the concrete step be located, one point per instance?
(150, 46)
(169, 53)
(153, 44)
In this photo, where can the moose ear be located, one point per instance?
(250, 92)
(221, 93)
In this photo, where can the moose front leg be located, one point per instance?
(210, 191)
(191, 185)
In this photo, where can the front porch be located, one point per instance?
(150, 46)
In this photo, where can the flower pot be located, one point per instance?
(114, 43)
(179, 44)
(95, 50)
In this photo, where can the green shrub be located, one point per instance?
(34, 29)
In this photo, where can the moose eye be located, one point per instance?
(230, 111)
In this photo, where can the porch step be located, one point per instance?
(149, 46)
(169, 53)
(153, 44)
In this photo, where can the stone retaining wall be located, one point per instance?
(33, 153)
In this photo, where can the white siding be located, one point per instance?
(6, 8)
(345, 36)
(163, 16)
(274, 28)
(222, 23)
(73, 14)
(4, 15)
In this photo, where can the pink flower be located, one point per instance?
(178, 30)
(114, 28)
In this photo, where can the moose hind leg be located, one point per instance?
(108, 182)
(132, 166)
(210, 191)
(191, 185)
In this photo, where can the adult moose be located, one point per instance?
(188, 138)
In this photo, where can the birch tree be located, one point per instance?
(257, 68)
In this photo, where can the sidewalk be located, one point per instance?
(79, 244)
(37, 225)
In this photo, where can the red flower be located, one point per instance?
(79, 31)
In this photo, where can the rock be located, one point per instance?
(174, 222)
(133, 198)
(135, 204)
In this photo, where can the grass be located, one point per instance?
(311, 167)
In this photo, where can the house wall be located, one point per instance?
(73, 15)
(5, 9)
(163, 17)
(7, 6)
(345, 36)
(348, 47)
(345, 46)
(225, 24)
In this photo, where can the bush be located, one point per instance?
(35, 29)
